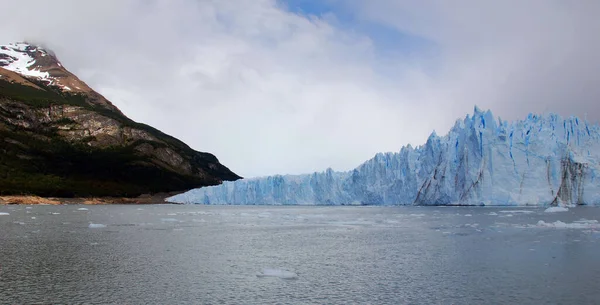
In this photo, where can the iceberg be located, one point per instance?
(556, 209)
(539, 161)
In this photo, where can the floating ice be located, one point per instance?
(468, 215)
(96, 226)
(556, 209)
(493, 214)
(587, 224)
(4, 214)
(83, 209)
(169, 220)
(517, 212)
(280, 273)
(55, 213)
(583, 220)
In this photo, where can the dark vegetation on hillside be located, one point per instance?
(38, 161)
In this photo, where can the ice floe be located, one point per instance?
(169, 220)
(556, 209)
(517, 212)
(580, 224)
(96, 226)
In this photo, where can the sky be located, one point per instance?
(296, 86)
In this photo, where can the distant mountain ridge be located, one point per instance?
(58, 137)
(541, 160)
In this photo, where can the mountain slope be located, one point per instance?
(542, 160)
(58, 137)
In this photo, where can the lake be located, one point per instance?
(194, 254)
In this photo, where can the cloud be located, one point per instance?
(271, 91)
(513, 57)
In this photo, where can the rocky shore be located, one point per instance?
(144, 199)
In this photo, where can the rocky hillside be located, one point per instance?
(58, 137)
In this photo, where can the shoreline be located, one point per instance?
(33, 200)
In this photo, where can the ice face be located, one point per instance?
(541, 160)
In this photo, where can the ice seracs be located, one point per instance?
(541, 160)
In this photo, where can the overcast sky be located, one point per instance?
(276, 87)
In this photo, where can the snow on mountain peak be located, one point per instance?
(34, 62)
(32, 65)
(21, 58)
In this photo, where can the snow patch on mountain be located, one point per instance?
(17, 57)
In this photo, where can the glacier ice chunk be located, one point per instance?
(517, 212)
(169, 220)
(574, 225)
(556, 209)
(96, 225)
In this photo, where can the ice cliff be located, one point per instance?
(542, 160)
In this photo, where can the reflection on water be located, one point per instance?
(297, 255)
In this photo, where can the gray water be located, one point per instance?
(171, 254)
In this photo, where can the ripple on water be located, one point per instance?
(279, 273)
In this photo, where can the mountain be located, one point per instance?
(541, 160)
(58, 137)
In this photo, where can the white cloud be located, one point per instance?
(268, 91)
(511, 56)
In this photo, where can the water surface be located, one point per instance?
(173, 254)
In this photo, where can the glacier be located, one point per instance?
(543, 160)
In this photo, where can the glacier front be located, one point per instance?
(542, 160)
